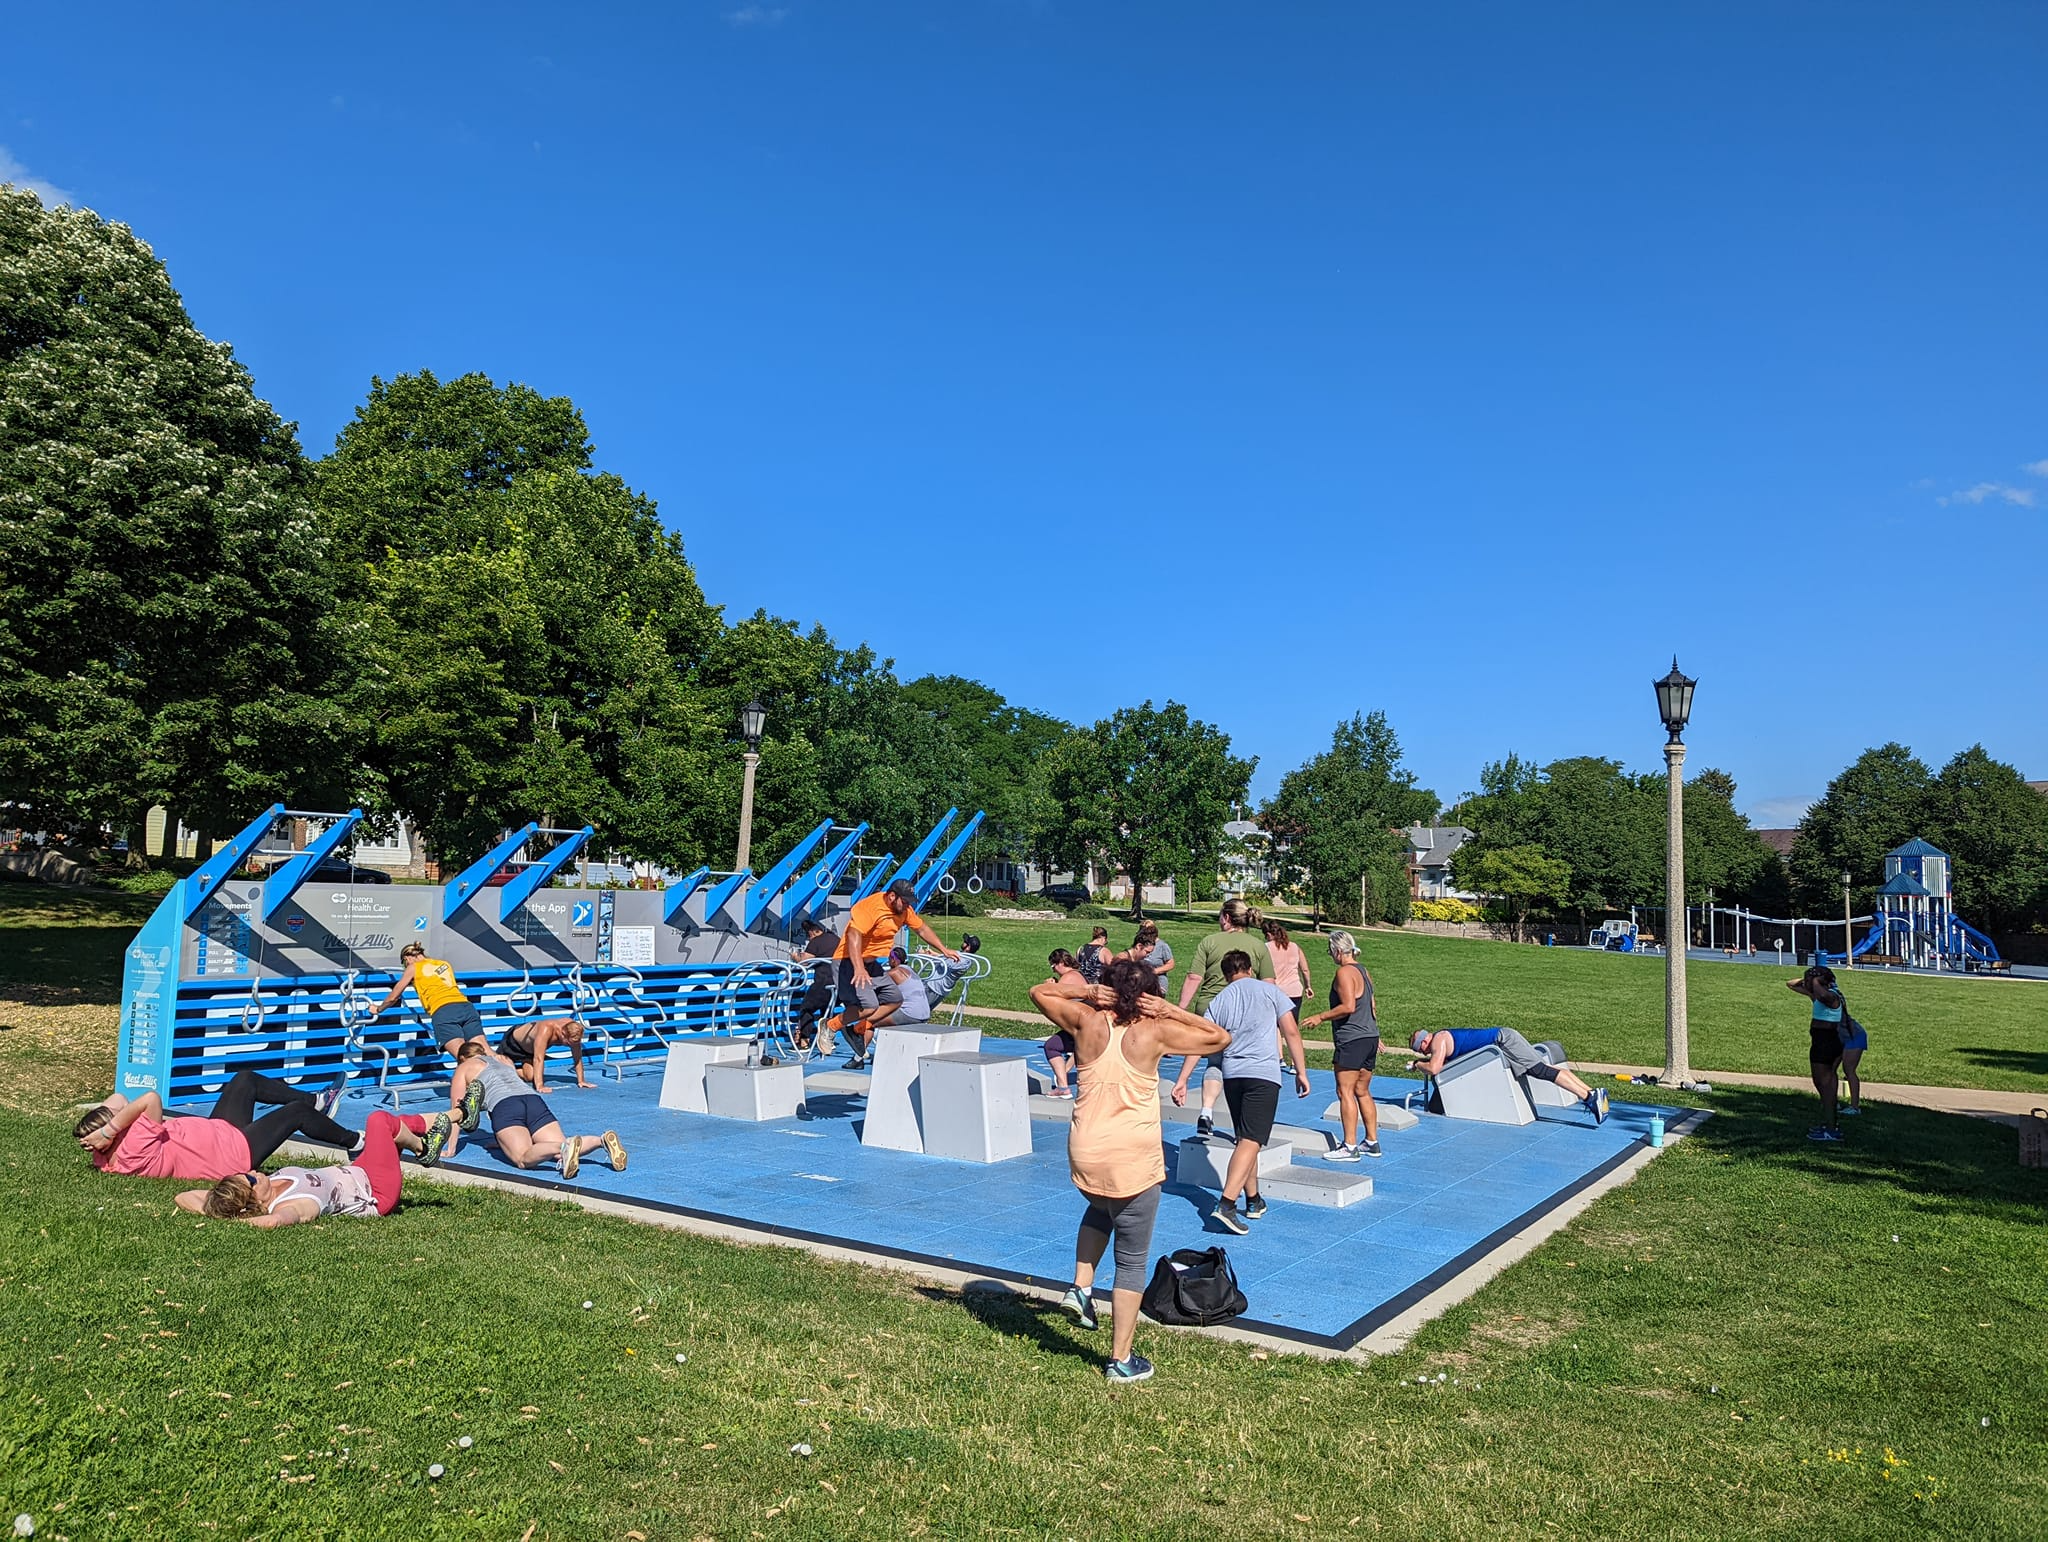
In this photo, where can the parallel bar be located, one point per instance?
(521, 888)
(877, 876)
(282, 884)
(471, 883)
(944, 860)
(763, 893)
(677, 894)
(207, 877)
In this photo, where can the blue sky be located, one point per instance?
(1463, 360)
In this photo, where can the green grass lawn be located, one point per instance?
(1731, 1346)
(1609, 1008)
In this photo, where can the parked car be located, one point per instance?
(335, 870)
(1068, 894)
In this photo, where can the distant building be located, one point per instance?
(1430, 849)
(1248, 866)
(1779, 841)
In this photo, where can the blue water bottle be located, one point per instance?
(1656, 1129)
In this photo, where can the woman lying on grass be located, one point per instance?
(528, 1133)
(367, 1186)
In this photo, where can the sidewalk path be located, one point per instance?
(2007, 1107)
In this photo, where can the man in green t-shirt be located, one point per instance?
(1240, 934)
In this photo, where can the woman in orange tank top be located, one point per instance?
(1121, 1030)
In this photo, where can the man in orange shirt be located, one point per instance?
(863, 956)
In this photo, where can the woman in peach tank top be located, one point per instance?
(1114, 1151)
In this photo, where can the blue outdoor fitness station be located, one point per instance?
(280, 973)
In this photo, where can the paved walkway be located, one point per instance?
(2007, 1107)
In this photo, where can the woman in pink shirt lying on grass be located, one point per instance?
(134, 1140)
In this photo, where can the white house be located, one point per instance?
(1429, 860)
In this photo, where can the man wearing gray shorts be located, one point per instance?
(1446, 1044)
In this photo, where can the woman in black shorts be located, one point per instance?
(527, 1131)
(1357, 1037)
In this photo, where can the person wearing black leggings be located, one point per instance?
(132, 1138)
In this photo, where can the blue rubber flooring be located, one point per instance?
(1445, 1193)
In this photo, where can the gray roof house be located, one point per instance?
(1429, 860)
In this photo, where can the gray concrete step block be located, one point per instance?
(1314, 1184)
(1392, 1116)
(855, 1082)
(753, 1092)
(1203, 1160)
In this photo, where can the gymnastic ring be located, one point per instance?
(946, 884)
(974, 883)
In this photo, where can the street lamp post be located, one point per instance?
(753, 719)
(1847, 942)
(1674, 705)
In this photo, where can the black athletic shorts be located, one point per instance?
(1825, 1051)
(457, 1022)
(1253, 1105)
(1360, 1054)
(524, 1112)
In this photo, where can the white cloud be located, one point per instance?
(11, 170)
(1983, 492)
(2037, 468)
(751, 15)
(1778, 813)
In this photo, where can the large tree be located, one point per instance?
(524, 629)
(1150, 789)
(1995, 827)
(1334, 821)
(164, 592)
(1881, 801)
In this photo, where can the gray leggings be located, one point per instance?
(1129, 1221)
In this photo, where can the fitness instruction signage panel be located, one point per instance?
(334, 927)
(221, 942)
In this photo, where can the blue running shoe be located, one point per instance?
(1596, 1104)
(329, 1095)
(1078, 1306)
(1137, 1368)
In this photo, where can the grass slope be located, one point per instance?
(1609, 1008)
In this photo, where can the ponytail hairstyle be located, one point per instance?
(1148, 935)
(1246, 918)
(1132, 982)
(231, 1199)
(1276, 934)
(1101, 935)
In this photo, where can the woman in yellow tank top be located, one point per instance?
(1121, 1030)
(455, 1019)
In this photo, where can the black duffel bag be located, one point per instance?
(1193, 1289)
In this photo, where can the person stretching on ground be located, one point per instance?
(134, 1140)
(526, 1045)
(528, 1133)
(1256, 1014)
(454, 1016)
(1447, 1043)
(1120, 1030)
(1357, 1039)
(1239, 928)
(1830, 1033)
(367, 1185)
(871, 928)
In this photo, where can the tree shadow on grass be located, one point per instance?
(1014, 1315)
(1952, 1160)
(2028, 1062)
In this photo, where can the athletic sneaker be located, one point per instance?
(1255, 1207)
(436, 1140)
(572, 1156)
(1821, 1132)
(616, 1150)
(1341, 1154)
(1849, 1113)
(329, 1095)
(1079, 1307)
(1205, 1124)
(1226, 1216)
(857, 1063)
(1137, 1368)
(1596, 1104)
(1370, 1148)
(473, 1104)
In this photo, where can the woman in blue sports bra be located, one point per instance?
(1824, 1054)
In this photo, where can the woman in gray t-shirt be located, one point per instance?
(1356, 1034)
(1147, 949)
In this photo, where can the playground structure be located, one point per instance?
(1915, 925)
(281, 973)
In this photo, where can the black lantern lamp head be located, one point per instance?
(1674, 700)
(753, 722)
